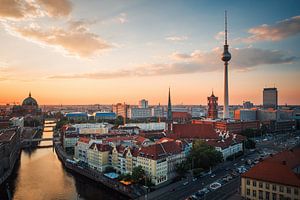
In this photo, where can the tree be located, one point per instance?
(181, 169)
(203, 156)
(250, 144)
(60, 123)
(138, 174)
(119, 120)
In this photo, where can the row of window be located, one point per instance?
(267, 196)
(274, 187)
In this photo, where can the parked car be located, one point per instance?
(215, 185)
(185, 183)
(205, 190)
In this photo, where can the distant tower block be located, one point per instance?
(226, 56)
(212, 112)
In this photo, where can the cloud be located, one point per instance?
(220, 36)
(58, 8)
(23, 9)
(18, 9)
(279, 31)
(243, 60)
(66, 39)
(176, 38)
(122, 18)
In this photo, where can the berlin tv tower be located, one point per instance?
(226, 56)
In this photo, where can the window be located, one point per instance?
(248, 191)
(274, 197)
(248, 182)
(281, 188)
(254, 193)
(281, 197)
(260, 184)
(274, 187)
(254, 183)
(267, 195)
(288, 190)
(267, 186)
(260, 194)
(296, 191)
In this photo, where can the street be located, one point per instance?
(185, 188)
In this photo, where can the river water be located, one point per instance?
(40, 176)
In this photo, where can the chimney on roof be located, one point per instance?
(284, 162)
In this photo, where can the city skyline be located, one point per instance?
(176, 44)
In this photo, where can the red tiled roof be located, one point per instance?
(164, 139)
(140, 139)
(223, 144)
(161, 150)
(278, 169)
(201, 131)
(114, 139)
(84, 140)
(181, 115)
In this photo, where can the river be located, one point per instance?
(39, 175)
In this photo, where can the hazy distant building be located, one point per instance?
(245, 114)
(104, 115)
(212, 111)
(29, 107)
(77, 116)
(197, 112)
(143, 103)
(157, 111)
(139, 113)
(247, 104)
(120, 109)
(276, 115)
(270, 98)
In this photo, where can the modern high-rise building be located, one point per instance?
(270, 98)
(247, 105)
(143, 103)
(120, 109)
(212, 111)
(226, 56)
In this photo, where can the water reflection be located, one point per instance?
(40, 176)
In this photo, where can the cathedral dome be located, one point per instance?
(29, 101)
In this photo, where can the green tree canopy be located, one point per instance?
(119, 120)
(203, 156)
(138, 174)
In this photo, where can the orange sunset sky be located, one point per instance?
(104, 52)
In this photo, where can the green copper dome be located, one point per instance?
(29, 101)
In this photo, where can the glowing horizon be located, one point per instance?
(76, 53)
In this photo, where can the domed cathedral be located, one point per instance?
(29, 107)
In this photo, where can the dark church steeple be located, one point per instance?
(169, 114)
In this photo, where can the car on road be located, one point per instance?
(194, 179)
(185, 183)
(204, 190)
(213, 175)
(215, 185)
